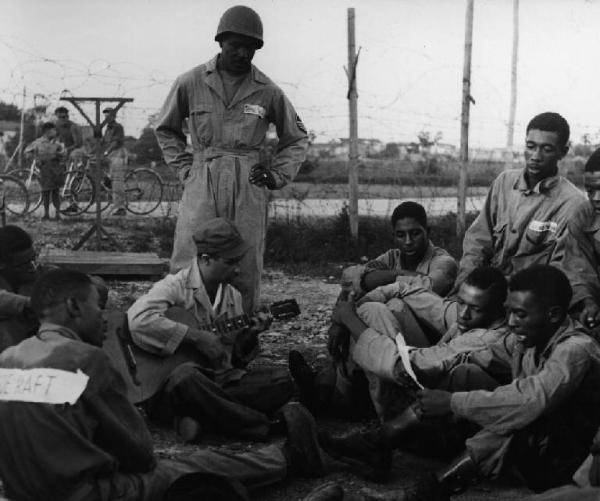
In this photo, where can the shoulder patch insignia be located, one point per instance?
(300, 125)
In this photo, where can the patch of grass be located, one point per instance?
(311, 246)
(316, 246)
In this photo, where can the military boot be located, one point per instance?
(366, 452)
(301, 448)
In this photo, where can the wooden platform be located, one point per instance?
(106, 263)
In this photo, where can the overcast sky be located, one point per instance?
(409, 72)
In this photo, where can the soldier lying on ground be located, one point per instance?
(211, 389)
(544, 420)
(68, 431)
(377, 340)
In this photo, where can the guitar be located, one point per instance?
(145, 372)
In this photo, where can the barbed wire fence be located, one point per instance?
(320, 189)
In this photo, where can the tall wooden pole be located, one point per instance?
(97, 125)
(510, 132)
(464, 123)
(22, 129)
(353, 139)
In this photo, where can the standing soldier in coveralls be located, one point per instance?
(229, 105)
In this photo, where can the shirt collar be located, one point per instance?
(567, 329)
(427, 256)
(543, 186)
(49, 330)
(195, 282)
(255, 73)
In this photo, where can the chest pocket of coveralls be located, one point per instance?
(254, 124)
(201, 117)
(540, 238)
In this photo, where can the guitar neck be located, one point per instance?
(227, 325)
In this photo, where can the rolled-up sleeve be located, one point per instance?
(293, 140)
(150, 328)
(513, 406)
(169, 128)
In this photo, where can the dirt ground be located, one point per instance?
(307, 333)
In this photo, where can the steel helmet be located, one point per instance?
(243, 21)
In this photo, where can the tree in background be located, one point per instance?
(429, 165)
(12, 113)
(9, 112)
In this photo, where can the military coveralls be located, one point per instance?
(376, 350)
(99, 448)
(519, 227)
(545, 420)
(437, 264)
(584, 256)
(226, 139)
(438, 269)
(231, 399)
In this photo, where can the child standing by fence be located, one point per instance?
(49, 154)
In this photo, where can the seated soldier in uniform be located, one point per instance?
(583, 265)
(542, 422)
(478, 320)
(415, 255)
(18, 271)
(68, 431)
(212, 389)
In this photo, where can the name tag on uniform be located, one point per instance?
(255, 109)
(542, 226)
(42, 386)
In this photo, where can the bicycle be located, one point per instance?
(13, 195)
(143, 189)
(30, 177)
(76, 194)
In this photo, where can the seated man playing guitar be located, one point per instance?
(196, 342)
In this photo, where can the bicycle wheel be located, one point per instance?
(105, 195)
(31, 180)
(77, 194)
(13, 194)
(143, 190)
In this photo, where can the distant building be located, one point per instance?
(322, 150)
(366, 147)
(444, 149)
(487, 154)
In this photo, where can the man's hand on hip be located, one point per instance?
(261, 176)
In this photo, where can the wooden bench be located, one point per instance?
(105, 263)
